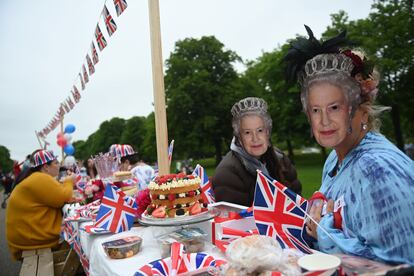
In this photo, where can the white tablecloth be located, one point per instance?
(101, 264)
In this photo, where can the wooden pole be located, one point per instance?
(61, 131)
(38, 139)
(158, 86)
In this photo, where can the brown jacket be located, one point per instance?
(232, 182)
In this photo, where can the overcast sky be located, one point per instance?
(43, 44)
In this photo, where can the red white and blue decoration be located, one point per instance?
(207, 192)
(189, 262)
(91, 60)
(42, 157)
(280, 213)
(117, 210)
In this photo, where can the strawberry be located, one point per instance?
(171, 197)
(154, 196)
(159, 212)
(195, 209)
(191, 193)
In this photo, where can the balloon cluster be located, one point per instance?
(64, 139)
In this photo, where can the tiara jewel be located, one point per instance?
(250, 104)
(327, 63)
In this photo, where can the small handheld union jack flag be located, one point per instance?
(170, 151)
(100, 39)
(120, 6)
(117, 210)
(109, 21)
(207, 192)
(280, 213)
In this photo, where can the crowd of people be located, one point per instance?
(371, 177)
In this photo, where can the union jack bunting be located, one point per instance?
(90, 229)
(70, 102)
(90, 65)
(206, 189)
(82, 82)
(85, 74)
(95, 57)
(69, 232)
(120, 6)
(117, 210)
(170, 151)
(109, 21)
(276, 214)
(75, 93)
(190, 262)
(100, 39)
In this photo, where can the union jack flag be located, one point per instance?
(117, 211)
(90, 229)
(82, 82)
(70, 232)
(85, 74)
(100, 39)
(277, 215)
(170, 151)
(90, 65)
(120, 6)
(206, 189)
(75, 93)
(95, 57)
(190, 262)
(109, 21)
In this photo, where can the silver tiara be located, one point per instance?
(247, 105)
(325, 63)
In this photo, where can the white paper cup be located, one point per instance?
(319, 262)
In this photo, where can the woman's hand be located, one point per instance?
(316, 213)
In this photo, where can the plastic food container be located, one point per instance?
(123, 248)
(191, 238)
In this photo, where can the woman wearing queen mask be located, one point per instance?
(372, 178)
(235, 177)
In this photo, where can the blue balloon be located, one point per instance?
(70, 128)
(69, 149)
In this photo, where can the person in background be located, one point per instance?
(368, 177)
(26, 163)
(130, 161)
(34, 216)
(251, 150)
(90, 168)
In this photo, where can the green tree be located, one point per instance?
(134, 133)
(200, 85)
(266, 77)
(388, 35)
(6, 164)
(149, 148)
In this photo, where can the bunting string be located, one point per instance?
(92, 59)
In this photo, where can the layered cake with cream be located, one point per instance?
(175, 195)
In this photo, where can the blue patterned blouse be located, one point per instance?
(376, 181)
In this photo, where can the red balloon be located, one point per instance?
(60, 134)
(61, 141)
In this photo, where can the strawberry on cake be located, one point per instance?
(175, 195)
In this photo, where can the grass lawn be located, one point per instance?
(308, 166)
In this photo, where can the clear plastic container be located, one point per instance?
(193, 240)
(123, 248)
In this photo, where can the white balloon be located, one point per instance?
(68, 137)
(69, 161)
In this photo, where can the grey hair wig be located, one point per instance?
(345, 82)
(236, 122)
